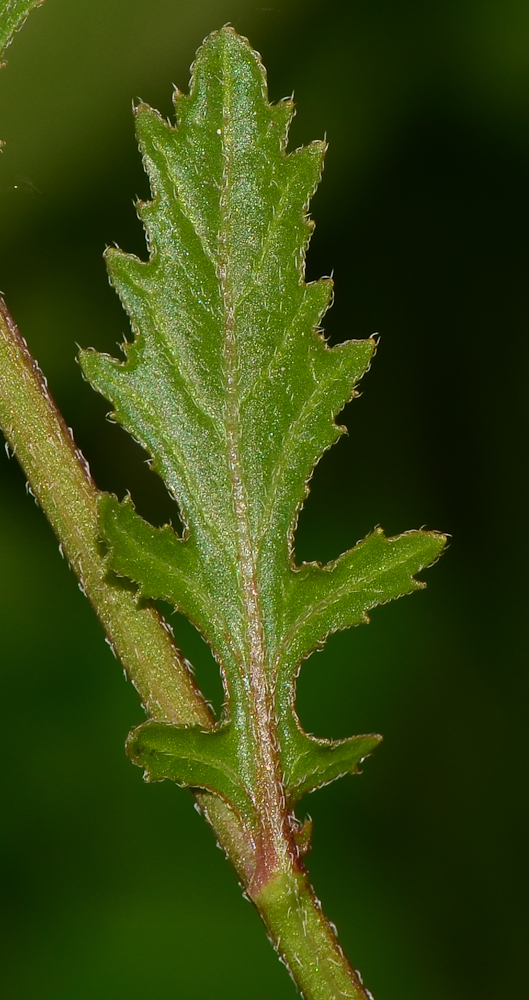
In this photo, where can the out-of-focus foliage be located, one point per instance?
(424, 217)
(13, 13)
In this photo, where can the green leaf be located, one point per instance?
(311, 763)
(192, 758)
(231, 388)
(338, 595)
(13, 13)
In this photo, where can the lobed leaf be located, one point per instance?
(231, 388)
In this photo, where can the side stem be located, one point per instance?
(60, 480)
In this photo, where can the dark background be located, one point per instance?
(114, 889)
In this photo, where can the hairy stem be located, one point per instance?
(59, 478)
(306, 941)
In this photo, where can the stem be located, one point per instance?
(306, 942)
(60, 480)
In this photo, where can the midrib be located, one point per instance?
(259, 709)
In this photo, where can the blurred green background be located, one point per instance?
(114, 889)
